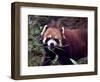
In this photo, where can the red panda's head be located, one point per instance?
(51, 36)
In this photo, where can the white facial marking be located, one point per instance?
(51, 41)
(60, 43)
(63, 30)
(49, 36)
(44, 40)
(56, 37)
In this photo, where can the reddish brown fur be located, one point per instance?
(77, 41)
(53, 32)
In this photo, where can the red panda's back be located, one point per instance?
(77, 41)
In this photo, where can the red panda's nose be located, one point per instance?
(52, 45)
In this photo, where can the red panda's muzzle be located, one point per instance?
(51, 36)
(51, 43)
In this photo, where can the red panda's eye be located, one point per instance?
(57, 40)
(47, 40)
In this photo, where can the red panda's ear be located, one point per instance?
(62, 31)
(44, 29)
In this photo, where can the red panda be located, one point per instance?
(54, 34)
(64, 44)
